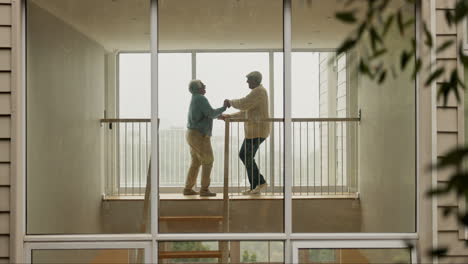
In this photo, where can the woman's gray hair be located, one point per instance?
(194, 86)
(256, 76)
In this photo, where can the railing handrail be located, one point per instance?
(319, 119)
(125, 120)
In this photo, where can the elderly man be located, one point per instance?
(200, 124)
(254, 107)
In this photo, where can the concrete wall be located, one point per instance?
(387, 148)
(6, 49)
(65, 100)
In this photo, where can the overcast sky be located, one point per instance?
(224, 77)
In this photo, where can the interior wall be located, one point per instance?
(387, 148)
(65, 100)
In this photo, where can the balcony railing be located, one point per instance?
(324, 157)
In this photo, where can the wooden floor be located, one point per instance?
(219, 196)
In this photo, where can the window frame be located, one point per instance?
(27, 243)
(357, 244)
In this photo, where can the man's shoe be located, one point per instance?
(190, 192)
(207, 193)
(259, 188)
(247, 192)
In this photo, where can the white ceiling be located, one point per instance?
(202, 24)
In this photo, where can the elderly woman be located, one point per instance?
(200, 124)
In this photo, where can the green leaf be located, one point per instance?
(447, 211)
(382, 77)
(346, 45)
(438, 252)
(387, 25)
(383, 6)
(445, 89)
(445, 45)
(361, 30)
(463, 219)
(436, 74)
(449, 17)
(400, 22)
(364, 68)
(417, 68)
(462, 56)
(378, 54)
(461, 11)
(437, 191)
(409, 23)
(452, 158)
(405, 58)
(374, 38)
(428, 41)
(346, 17)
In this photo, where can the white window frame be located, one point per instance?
(357, 244)
(463, 204)
(146, 246)
(150, 241)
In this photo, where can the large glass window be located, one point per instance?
(201, 159)
(354, 144)
(88, 256)
(354, 255)
(222, 252)
(88, 145)
(91, 93)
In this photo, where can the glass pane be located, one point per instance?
(85, 256)
(346, 171)
(222, 252)
(355, 256)
(193, 144)
(87, 167)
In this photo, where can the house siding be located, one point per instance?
(450, 132)
(5, 126)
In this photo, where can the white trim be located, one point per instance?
(434, 128)
(389, 244)
(18, 135)
(288, 180)
(354, 236)
(69, 238)
(154, 129)
(418, 11)
(221, 236)
(29, 247)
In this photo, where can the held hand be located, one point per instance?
(222, 117)
(227, 103)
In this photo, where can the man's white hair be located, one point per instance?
(256, 76)
(194, 86)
